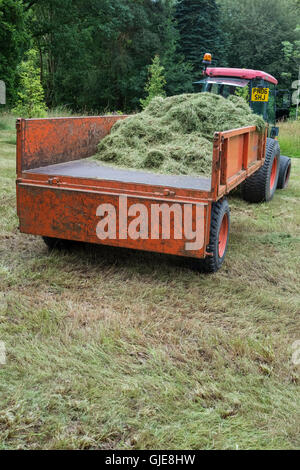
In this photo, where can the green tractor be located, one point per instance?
(260, 90)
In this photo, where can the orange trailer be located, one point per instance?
(64, 195)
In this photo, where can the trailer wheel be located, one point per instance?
(284, 172)
(219, 234)
(57, 243)
(261, 186)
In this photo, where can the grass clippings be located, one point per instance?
(174, 135)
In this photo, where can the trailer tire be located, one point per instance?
(261, 186)
(219, 235)
(284, 172)
(57, 243)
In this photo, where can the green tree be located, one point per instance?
(291, 57)
(243, 93)
(144, 28)
(156, 82)
(95, 54)
(200, 32)
(178, 72)
(12, 44)
(263, 35)
(31, 97)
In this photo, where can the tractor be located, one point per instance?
(260, 90)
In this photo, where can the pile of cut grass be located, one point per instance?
(174, 135)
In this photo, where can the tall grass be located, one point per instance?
(7, 119)
(289, 138)
(61, 111)
(7, 122)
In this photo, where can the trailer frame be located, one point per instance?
(53, 203)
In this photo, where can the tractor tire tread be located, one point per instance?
(254, 187)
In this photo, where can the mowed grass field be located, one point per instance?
(115, 349)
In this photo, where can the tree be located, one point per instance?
(144, 28)
(263, 35)
(31, 97)
(12, 43)
(200, 32)
(178, 72)
(95, 54)
(291, 58)
(156, 82)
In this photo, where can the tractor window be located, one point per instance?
(271, 110)
(200, 87)
(266, 109)
(221, 86)
(223, 90)
(258, 108)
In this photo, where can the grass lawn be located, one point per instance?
(109, 348)
(289, 138)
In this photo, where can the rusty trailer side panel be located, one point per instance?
(56, 203)
(72, 214)
(43, 142)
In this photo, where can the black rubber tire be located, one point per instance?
(257, 188)
(57, 243)
(219, 209)
(284, 172)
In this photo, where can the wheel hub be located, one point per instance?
(223, 235)
(273, 174)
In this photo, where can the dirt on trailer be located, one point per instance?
(175, 135)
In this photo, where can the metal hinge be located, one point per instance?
(221, 149)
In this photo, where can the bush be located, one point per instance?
(31, 98)
(156, 82)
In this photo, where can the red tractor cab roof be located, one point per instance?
(240, 73)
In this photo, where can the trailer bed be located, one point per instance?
(93, 170)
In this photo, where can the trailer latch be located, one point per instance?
(53, 181)
(166, 192)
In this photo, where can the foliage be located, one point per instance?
(199, 28)
(293, 113)
(31, 97)
(243, 92)
(264, 35)
(12, 42)
(94, 55)
(156, 82)
(291, 56)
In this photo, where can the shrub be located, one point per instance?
(156, 82)
(31, 97)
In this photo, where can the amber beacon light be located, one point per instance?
(207, 58)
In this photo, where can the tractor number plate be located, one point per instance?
(260, 94)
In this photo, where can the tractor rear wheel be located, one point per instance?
(284, 172)
(219, 235)
(261, 186)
